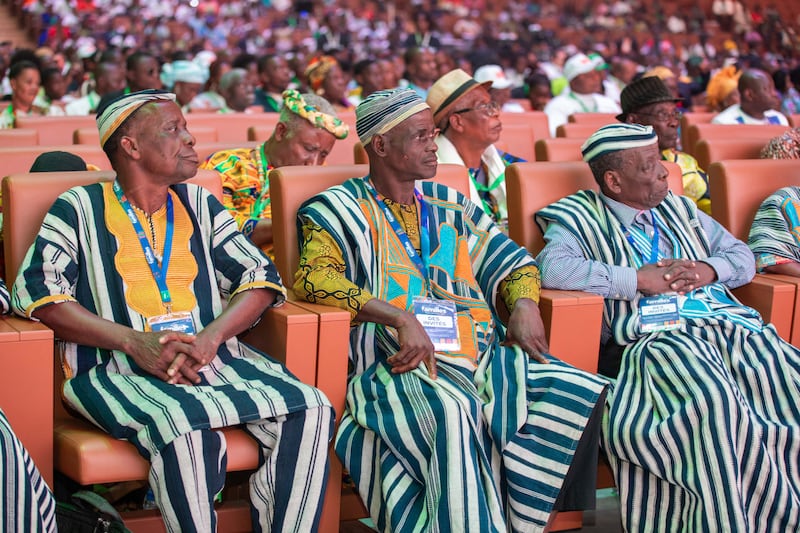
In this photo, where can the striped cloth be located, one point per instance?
(77, 257)
(703, 427)
(26, 503)
(5, 298)
(616, 137)
(383, 110)
(486, 446)
(775, 232)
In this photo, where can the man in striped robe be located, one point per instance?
(489, 434)
(131, 276)
(703, 427)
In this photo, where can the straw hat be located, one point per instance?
(448, 89)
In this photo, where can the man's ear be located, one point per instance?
(612, 181)
(280, 131)
(380, 145)
(455, 123)
(130, 147)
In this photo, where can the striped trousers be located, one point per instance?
(285, 491)
(26, 503)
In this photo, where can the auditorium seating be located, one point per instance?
(87, 455)
(689, 119)
(56, 131)
(535, 120)
(595, 119)
(17, 137)
(573, 130)
(713, 132)
(559, 149)
(738, 188)
(291, 186)
(201, 134)
(18, 160)
(708, 151)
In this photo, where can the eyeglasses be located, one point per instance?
(489, 109)
(426, 136)
(664, 116)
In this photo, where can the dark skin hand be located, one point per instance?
(415, 345)
(790, 269)
(526, 330)
(674, 275)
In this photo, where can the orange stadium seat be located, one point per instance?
(573, 130)
(19, 160)
(595, 119)
(712, 132)
(559, 149)
(17, 137)
(202, 134)
(708, 151)
(56, 130)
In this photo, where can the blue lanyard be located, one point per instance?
(159, 273)
(420, 262)
(653, 244)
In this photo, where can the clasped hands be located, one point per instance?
(673, 275)
(525, 329)
(173, 356)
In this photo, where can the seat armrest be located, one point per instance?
(573, 321)
(793, 281)
(773, 299)
(288, 333)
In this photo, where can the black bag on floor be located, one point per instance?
(88, 512)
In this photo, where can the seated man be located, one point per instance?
(649, 101)
(470, 124)
(235, 88)
(702, 430)
(455, 428)
(758, 101)
(131, 276)
(775, 231)
(305, 134)
(584, 94)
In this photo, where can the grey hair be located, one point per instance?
(231, 78)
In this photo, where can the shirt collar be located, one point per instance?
(624, 213)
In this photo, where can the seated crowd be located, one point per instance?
(457, 417)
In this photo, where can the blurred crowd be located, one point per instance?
(239, 55)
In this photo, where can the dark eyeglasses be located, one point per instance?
(664, 116)
(489, 109)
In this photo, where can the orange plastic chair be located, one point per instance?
(595, 119)
(56, 130)
(202, 134)
(517, 140)
(689, 119)
(738, 188)
(17, 137)
(559, 149)
(572, 130)
(708, 151)
(84, 453)
(19, 160)
(714, 132)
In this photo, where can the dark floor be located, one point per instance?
(603, 520)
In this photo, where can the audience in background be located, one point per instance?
(25, 82)
(325, 78)
(275, 76)
(758, 102)
(237, 91)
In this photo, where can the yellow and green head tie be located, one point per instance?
(295, 103)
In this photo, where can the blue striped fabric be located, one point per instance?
(74, 258)
(484, 447)
(26, 503)
(5, 298)
(775, 232)
(703, 426)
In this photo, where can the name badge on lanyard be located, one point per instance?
(438, 317)
(659, 313)
(176, 321)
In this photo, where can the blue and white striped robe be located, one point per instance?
(74, 259)
(703, 426)
(485, 447)
(774, 233)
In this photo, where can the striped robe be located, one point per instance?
(775, 232)
(485, 447)
(26, 503)
(703, 425)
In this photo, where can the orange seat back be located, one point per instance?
(594, 119)
(19, 160)
(572, 130)
(688, 139)
(713, 132)
(517, 140)
(533, 186)
(17, 137)
(559, 149)
(535, 120)
(201, 134)
(230, 127)
(708, 151)
(739, 186)
(289, 187)
(55, 131)
(27, 197)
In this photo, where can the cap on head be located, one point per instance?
(643, 92)
(494, 74)
(443, 94)
(294, 102)
(577, 65)
(616, 137)
(58, 161)
(113, 114)
(383, 110)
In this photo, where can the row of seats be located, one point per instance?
(293, 332)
